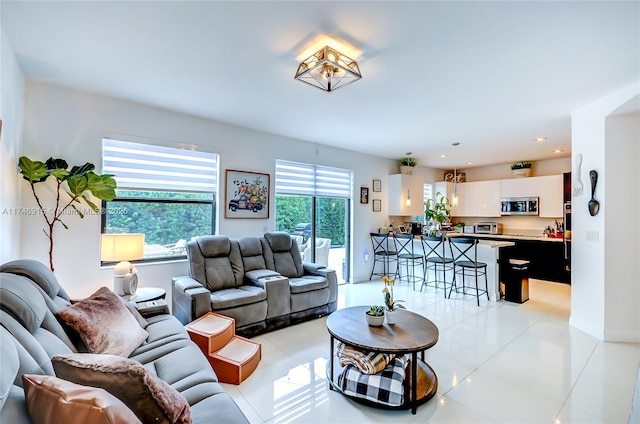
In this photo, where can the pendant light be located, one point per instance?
(454, 198)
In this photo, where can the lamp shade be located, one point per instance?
(121, 247)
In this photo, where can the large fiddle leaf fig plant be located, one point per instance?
(71, 190)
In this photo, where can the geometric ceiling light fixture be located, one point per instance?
(328, 70)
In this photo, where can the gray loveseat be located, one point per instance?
(30, 335)
(261, 282)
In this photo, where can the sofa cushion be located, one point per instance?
(244, 295)
(284, 256)
(40, 274)
(10, 364)
(307, 283)
(104, 324)
(150, 398)
(51, 400)
(252, 254)
(22, 301)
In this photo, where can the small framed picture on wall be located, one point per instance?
(377, 186)
(364, 194)
(377, 205)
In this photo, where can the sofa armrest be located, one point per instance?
(189, 299)
(331, 277)
(278, 295)
(311, 268)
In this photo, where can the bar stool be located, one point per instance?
(383, 252)
(436, 260)
(409, 257)
(464, 252)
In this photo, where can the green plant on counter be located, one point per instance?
(376, 311)
(74, 182)
(408, 162)
(520, 165)
(437, 212)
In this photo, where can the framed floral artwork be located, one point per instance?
(246, 194)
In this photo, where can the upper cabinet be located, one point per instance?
(478, 198)
(406, 194)
(482, 198)
(548, 188)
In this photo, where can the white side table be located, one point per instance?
(147, 294)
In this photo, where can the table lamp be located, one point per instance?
(123, 248)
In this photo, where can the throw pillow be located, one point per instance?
(52, 400)
(134, 312)
(104, 324)
(151, 399)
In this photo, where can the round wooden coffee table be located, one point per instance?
(412, 333)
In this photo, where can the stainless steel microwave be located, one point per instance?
(488, 228)
(520, 206)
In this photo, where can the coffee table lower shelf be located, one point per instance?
(427, 387)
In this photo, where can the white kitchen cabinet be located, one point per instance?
(402, 188)
(479, 199)
(548, 188)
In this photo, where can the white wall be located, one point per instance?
(503, 171)
(11, 105)
(602, 295)
(622, 244)
(70, 124)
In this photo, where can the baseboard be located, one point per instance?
(622, 336)
(584, 326)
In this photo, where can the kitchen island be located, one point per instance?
(545, 254)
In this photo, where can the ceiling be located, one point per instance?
(492, 76)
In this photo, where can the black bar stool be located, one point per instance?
(383, 252)
(464, 252)
(410, 257)
(436, 260)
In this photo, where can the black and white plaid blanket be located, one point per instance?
(385, 387)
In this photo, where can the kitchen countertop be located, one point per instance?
(511, 237)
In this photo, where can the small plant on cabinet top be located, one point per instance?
(520, 165)
(408, 162)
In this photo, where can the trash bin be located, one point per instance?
(516, 288)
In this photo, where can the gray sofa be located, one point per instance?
(31, 334)
(261, 282)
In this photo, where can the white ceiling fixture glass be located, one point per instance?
(328, 70)
(454, 198)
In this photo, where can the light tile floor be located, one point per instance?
(498, 363)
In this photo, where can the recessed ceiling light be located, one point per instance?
(443, 156)
(558, 151)
(469, 163)
(541, 139)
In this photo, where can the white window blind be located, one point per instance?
(145, 166)
(313, 180)
(428, 192)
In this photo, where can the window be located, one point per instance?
(168, 194)
(313, 204)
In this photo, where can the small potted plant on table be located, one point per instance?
(375, 315)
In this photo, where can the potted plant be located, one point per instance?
(72, 189)
(407, 164)
(390, 302)
(375, 315)
(521, 169)
(437, 212)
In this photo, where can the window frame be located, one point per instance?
(105, 205)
